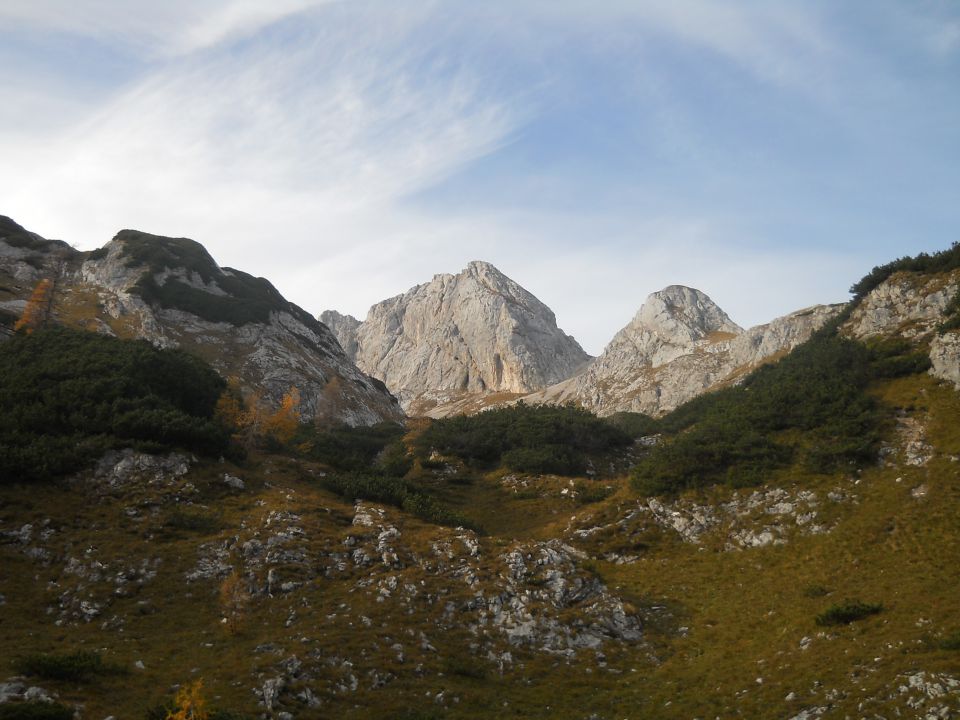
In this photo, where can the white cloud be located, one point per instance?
(292, 155)
(170, 27)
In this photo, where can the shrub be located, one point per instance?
(35, 711)
(247, 299)
(66, 396)
(591, 492)
(198, 522)
(395, 460)
(527, 438)
(351, 448)
(555, 459)
(811, 406)
(633, 424)
(393, 491)
(938, 262)
(847, 612)
(950, 642)
(76, 667)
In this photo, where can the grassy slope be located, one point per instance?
(746, 611)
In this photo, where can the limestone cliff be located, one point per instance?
(472, 335)
(172, 293)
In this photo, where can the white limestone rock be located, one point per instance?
(906, 304)
(476, 333)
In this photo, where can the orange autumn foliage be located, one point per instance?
(37, 309)
(190, 703)
(252, 423)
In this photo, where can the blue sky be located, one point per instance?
(768, 154)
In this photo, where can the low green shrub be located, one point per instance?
(66, 396)
(396, 492)
(35, 711)
(523, 437)
(847, 612)
(811, 406)
(815, 591)
(193, 521)
(950, 642)
(591, 492)
(354, 449)
(465, 666)
(78, 666)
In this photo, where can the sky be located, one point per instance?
(768, 154)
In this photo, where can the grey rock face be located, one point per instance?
(171, 292)
(905, 305)
(679, 345)
(912, 307)
(474, 333)
(945, 356)
(345, 328)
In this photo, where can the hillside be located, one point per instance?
(679, 345)
(171, 292)
(530, 562)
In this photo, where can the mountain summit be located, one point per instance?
(459, 337)
(679, 345)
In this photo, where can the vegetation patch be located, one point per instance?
(16, 236)
(535, 439)
(811, 405)
(66, 396)
(193, 521)
(35, 711)
(396, 492)
(79, 666)
(355, 448)
(248, 299)
(939, 262)
(950, 642)
(847, 612)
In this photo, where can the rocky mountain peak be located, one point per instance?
(682, 315)
(474, 333)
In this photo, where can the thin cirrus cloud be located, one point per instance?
(289, 135)
(154, 29)
(594, 151)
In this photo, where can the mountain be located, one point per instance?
(784, 548)
(470, 337)
(680, 344)
(171, 292)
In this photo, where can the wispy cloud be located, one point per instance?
(158, 29)
(596, 151)
(308, 132)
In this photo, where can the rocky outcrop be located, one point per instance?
(945, 358)
(678, 346)
(171, 292)
(477, 333)
(907, 304)
(345, 328)
(913, 306)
